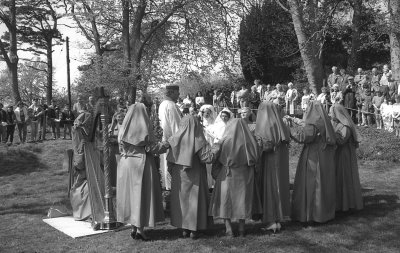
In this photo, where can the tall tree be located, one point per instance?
(38, 26)
(394, 14)
(354, 60)
(8, 12)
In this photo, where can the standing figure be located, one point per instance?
(349, 97)
(78, 107)
(273, 136)
(313, 197)
(267, 93)
(306, 98)
(333, 77)
(243, 96)
(374, 79)
(324, 98)
(189, 191)
(91, 104)
(11, 122)
(360, 78)
(3, 124)
(169, 116)
(291, 98)
(396, 116)
(218, 128)
(234, 192)
(377, 102)
(199, 100)
(249, 118)
(36, 117)
(348, 188)
(21, 114)
(139, 200)
(67, 119)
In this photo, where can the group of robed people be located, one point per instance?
(250, 169)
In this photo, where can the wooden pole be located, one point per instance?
(68, 77)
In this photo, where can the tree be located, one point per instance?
(268, 44)
(38, 26)
(394, 15)
(8, 12)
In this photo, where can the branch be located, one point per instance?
(85, 33)
(155, 28)
(282, 6)
(30, 60)
(32, 67)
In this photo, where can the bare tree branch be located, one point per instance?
(4, 53)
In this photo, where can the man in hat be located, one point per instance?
(170, 116)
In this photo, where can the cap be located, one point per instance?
(172, 87)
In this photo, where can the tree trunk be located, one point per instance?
(394, 37)
(13, 66)
(354, 60)
(49, 87)
(308, 48)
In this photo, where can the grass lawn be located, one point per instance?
(32, 179)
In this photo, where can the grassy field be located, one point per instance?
(32, 179)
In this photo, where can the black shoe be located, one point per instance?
(133, 235)
(139, 236)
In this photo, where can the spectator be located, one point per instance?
(377, 101)
(187, 100)
(90, 106)
(349, 97)
(291, 98)
(267, 94)
(336, 94)
(254, 98)
(67, 120)
(243, 96)
(36, 115)
(43, 122)
(360, 78)
(58, 122)
(367, 107)
(11, 121)
(324, 98)
(334, 77)
(374, 79)
(78, 107)
(386, 76)
(199, 100)
(343, 79)
(386, 113)
(306, 98)
(21, 115)
(51, 117)
(3, 124)
(396, 116)
(278, 95)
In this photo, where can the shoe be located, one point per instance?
(194, 235)
(185, 233)
(272, 228)
(139, 236)
(133, 235)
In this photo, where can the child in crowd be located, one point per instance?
(367, 107)
(67, 119)
(336, 94)
(57, 122)
(324, 98)
(11, 121)
(377, 101)
(396, 116)
(306, 98)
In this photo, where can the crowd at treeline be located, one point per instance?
(369, 97)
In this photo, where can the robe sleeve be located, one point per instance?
(157, 147)
(209, 154)
(343, 134)
(305, 135)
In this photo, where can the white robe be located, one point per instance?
(169, 116)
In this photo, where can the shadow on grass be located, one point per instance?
(20, 161)
(33, 208)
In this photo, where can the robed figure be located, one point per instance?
(189, 190)
(273, 136)
(348, 188)
(87, 190)
(313, 197)
(139, 200)
(233, 195)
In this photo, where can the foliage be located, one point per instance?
(268, 44)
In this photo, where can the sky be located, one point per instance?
(79, 47)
